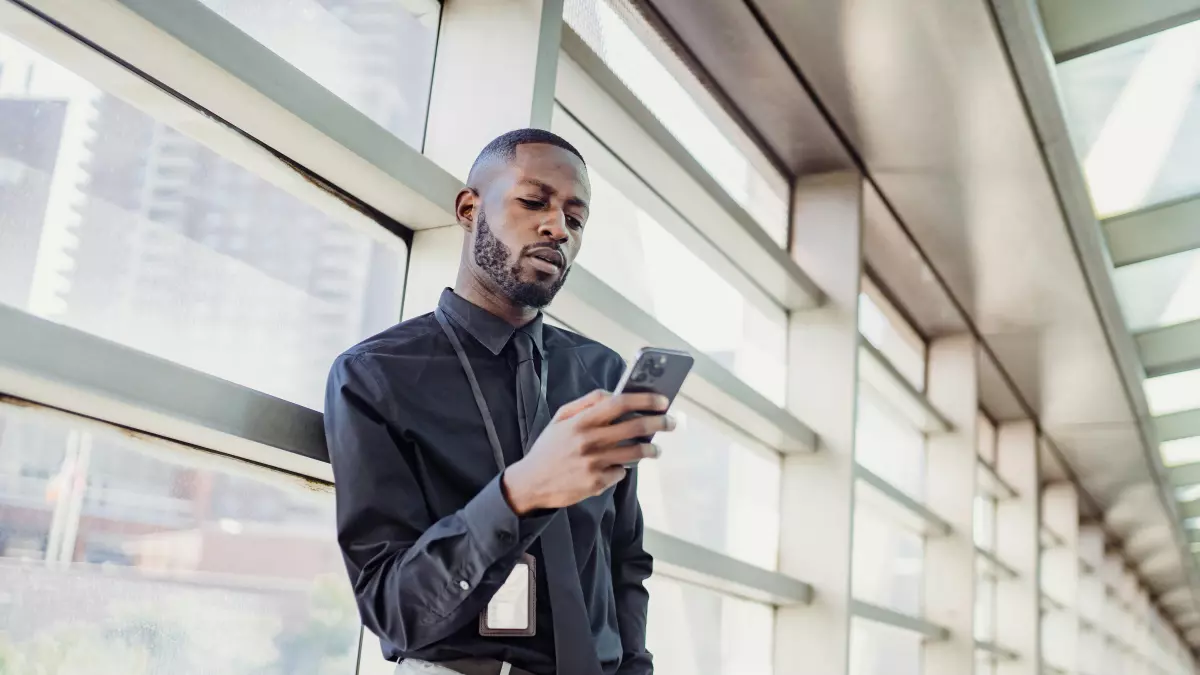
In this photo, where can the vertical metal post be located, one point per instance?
(818, 489)
(1018, 525)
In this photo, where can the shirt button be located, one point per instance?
(505, 537)
(464, 585)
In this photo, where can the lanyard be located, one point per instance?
(480, 401)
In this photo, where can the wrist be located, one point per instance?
(517, 491)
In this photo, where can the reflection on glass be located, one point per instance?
(985, 664)
(985, 608)
(985, 441)
(1173, 393)
(714, 488)
(887, 331)
(1134, 112)
(630, 251)
(684, 107)
(116, 224)
(127, 555)
(887, 563)
(985, 522)
(695, 631)
(1160, 292)
(1181, 451)
(376, 55)
(887, 445)
(879, 649)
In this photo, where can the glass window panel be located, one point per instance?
(879, 649)
(666, 86)
(986, 441)
(887, 562)
(883, 326)
(985, 664)
(376, 55)
(696, 631)
(146, 556)
(985, 522)
(985, 608)
(124, 227)
(1182, 451)
(887, 445)
(737, 510)
(631, 252)
(1173, 393)
(1134, 112)
(1160, 292)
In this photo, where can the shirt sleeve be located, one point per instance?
(631, 566)
(416, 580)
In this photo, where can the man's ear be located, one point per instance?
(465, 206)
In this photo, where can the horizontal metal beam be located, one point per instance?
(705, 567)
(1184, 474)
(592, 307)
(57, 366)
(890, 617)
(885, 495)
(1190, 509)
(1154, 232)
(203, 58)
(995, 651)
(876, 371)
(635, 135)
(1075, 28)
(993, 483)
(994, 565)
(60, 367)
(1175, 426)
(1170, 349)
(1049, 604)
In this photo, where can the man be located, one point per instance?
(465, 441)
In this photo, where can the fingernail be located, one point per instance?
(662, 402)
(670, 422)
(655, 450)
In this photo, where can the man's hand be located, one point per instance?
(581, 452)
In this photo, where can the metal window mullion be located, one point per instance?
(995, 650)
(930, 419)
(936, 524)
(694, 564)
(889, 617)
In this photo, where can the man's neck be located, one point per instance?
(473, 290)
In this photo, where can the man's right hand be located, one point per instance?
(581, 454)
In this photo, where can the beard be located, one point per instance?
(493, 256)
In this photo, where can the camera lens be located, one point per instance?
(638, 376)
(655, 370)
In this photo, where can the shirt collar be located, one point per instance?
(488, 329)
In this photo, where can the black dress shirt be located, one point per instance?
(423, 524)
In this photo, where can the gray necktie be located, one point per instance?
(574, 646)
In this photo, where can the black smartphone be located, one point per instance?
(655, 371)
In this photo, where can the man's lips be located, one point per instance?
(550, 257)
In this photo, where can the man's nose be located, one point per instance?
(554, 227)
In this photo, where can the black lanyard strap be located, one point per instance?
(480, 401)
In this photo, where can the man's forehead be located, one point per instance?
(549, 165)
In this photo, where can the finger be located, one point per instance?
(623, 404)
(611, 476)
(619, 455)
(582, 403)
(638, 427)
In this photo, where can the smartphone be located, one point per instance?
(655, 371)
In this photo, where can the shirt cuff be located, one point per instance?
(496, 527)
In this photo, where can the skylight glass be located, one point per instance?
(1134, 113)
(1160, 292)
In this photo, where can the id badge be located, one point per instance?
(512, 611)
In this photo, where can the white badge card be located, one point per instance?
(512, 611)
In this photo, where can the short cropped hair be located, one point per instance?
(504, 147)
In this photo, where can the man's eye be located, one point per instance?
(574, 223)
(532, 203)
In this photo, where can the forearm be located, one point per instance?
(417, 595)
